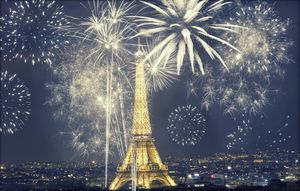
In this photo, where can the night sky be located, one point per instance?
(40, 140)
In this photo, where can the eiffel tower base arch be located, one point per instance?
(149, 168)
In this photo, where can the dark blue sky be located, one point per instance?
(39, 139)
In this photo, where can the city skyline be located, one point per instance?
(258, 169)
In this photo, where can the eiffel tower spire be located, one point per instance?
(142, 151)
(141, 121)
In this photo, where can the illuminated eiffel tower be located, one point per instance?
(142, 165)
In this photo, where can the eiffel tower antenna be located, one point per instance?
(139, 52)
(149, 169)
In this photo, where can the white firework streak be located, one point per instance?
(186, 25)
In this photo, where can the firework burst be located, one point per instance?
(29, 31)
(15, 103)
(187, 25)
(267, 33)
(263, 46)
(106, 30)
(78, 92)
(186, 125)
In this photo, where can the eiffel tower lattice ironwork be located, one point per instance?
(142, 155)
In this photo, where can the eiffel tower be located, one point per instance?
(142, 156)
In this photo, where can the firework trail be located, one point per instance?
(29, 31)
(186, 125)
(263, 46)
(188, 25)
(15, 103)
(250, 135)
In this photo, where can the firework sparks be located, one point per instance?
(248, 134)
(186, 125)
(15, 103)
(78, 92)
(85, 141)
(186, 25)
(29, 31)
(159, 78)
(278, 136)
(238, 137)
(263, 46)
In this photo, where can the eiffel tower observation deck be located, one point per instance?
(142, 165)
